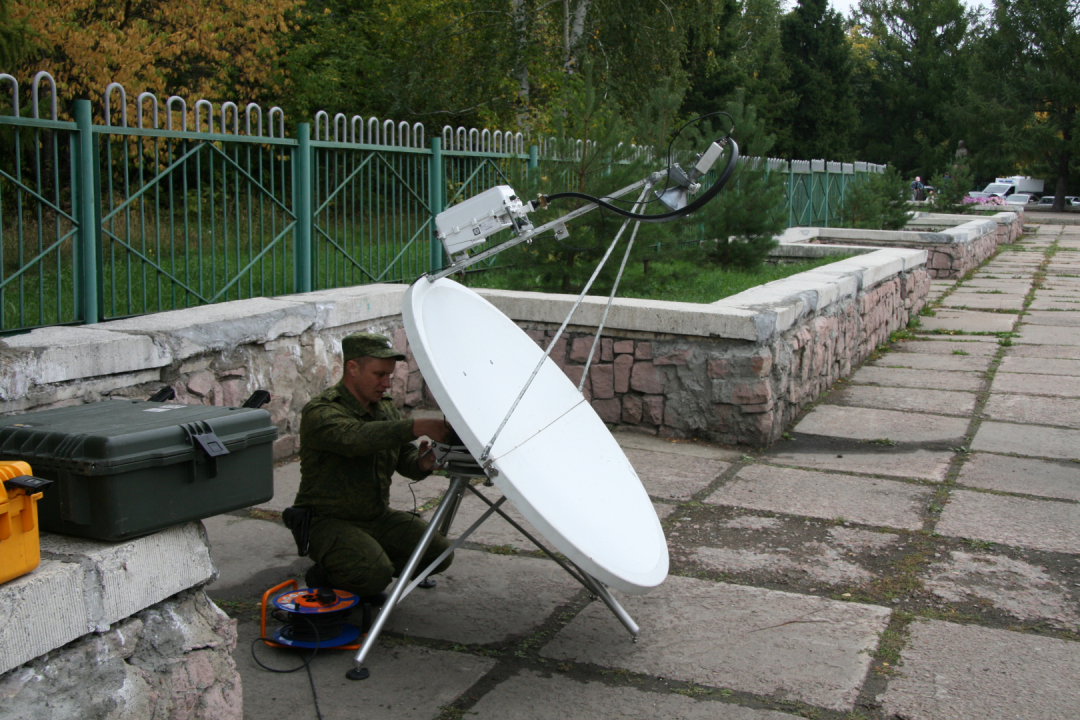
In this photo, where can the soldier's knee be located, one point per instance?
(364, 580)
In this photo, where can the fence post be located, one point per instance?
(791, 193)
(302, 201)
(436, 176)
(88, 213)
(534, 157)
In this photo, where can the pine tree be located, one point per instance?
(816, 51)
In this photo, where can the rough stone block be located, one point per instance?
(718, 368)
(606, 353)
(761, 363)
(645, 378)
(676, 358)
(609, 410)
(623, 365)
(755, 393)
(643, 350)
(574, 372)
(652, 409)
(603, 381)
(621, 347)
(631, 409)
(579, 350)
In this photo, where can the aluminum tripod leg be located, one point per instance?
(613, 605)
(588, 581)
(450, 499)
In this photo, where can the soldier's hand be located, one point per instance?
(434, 428)
(427, 456)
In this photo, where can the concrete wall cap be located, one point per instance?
(59, 354)
(344, 306)
(211, 328)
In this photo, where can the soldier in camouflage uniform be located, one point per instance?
(352, 439)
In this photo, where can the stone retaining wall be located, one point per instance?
(739, 370)
(734, 371)
(955, 244)
(118, 630)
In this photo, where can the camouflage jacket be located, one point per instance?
(348, 455)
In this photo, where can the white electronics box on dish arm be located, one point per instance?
(470, 222)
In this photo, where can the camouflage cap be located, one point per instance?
(360, 345)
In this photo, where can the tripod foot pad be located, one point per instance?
(358, 674)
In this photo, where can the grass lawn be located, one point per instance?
(669, 279)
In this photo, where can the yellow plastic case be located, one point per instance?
(20, 548)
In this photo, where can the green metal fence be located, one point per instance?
(175, 206)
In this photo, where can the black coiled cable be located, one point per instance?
(705, 197)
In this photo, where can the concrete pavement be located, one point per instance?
(911, 549)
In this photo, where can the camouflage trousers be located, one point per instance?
(363, 557)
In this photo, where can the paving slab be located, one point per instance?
(788, 646)
(1027, 591)
(1027, 440)
(681, 446)
(974, 347)
(982, 283)
(986, 340)
(1055, 304)
(965, 671)
(985, 301)
(1037, 524)
(1033, 384)
(933, 379)
(1047, 335)
(822, 563)
(1035, 409)
(532, 696)
(671, 476)
(872, 424)
(868, 501)
(485, 598)
(406, 682)
(934, 361)
(1026, 476)
(968, 321)
(251, 556)
(1070, 352)
(941, 402)
(1013, 363)
(893, 462)
(1054, 318)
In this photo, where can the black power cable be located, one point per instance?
(674, 214)
(671, 142)
(306, 664)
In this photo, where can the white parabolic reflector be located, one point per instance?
(556, 460)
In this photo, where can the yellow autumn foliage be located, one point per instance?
(214, 49)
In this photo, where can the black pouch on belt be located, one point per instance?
(299, 521)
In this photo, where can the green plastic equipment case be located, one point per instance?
(125, 468)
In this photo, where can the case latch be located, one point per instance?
(203, 437)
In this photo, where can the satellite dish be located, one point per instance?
(555, 459)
